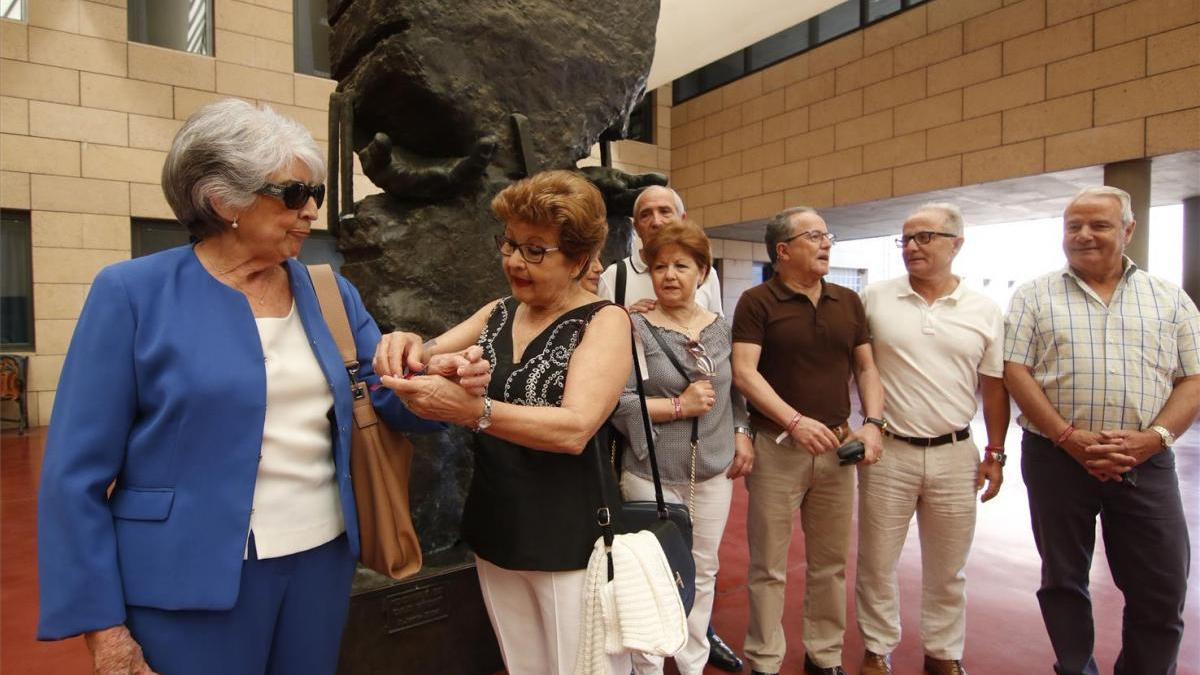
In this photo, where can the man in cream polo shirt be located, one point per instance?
(936, 342)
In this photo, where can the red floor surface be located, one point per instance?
(1005, 634)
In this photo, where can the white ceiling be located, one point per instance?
(694, 33)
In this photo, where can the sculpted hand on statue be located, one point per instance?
(620, 188)
(405, 175)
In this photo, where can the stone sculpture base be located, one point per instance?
(434, 622)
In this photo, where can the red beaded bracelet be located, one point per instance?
(795, 420)
(1062, 438)
(678, 408)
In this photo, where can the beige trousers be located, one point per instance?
(938, 484)
(787, 478)
(537, 618)
(708, 524)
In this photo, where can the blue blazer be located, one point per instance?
(164, 391)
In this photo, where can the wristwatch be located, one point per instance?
(997, 454)
(485, 420)
(1168, 438)
(882, 424)
(745, 431)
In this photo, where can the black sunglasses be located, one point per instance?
(294, 195)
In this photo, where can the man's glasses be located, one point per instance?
(532, 253)
(922, 238)
(814, 236)
(294, 195)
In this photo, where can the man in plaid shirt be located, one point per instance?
(1104, 362)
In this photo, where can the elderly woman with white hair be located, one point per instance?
(196, 513)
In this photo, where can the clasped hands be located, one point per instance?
(817, 438)
(449, 388)
(1109, 454)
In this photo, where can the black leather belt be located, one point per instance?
(961, 434)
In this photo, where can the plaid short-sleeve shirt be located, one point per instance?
(1104, 367)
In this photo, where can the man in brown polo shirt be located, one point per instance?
(796, 341)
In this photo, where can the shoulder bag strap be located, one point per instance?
(662, 344)
(622, 278)
(334, 312)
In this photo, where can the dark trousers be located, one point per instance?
(289, 617)
(1145, 538)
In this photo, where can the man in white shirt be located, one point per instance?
(653, 208)
(936, 342)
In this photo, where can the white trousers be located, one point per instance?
(938, 484)
(713, 497)
(537, 618)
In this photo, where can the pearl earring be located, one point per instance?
(234, 225)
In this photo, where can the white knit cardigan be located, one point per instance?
(639, 610)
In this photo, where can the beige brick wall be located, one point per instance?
(85, 121)
(86, 118)
(951, 93)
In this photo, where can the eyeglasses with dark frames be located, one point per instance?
(532, 253)
(294, 195)
(922, 238)
(814, 236)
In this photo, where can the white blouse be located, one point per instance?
(296, 504)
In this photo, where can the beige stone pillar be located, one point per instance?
(1133, 176)
(1191, 247)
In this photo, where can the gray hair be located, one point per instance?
(954, 215)
(679, 210)
(780, 228)
(226, 151)
(1107, 191)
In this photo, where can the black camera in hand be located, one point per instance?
(851, 453)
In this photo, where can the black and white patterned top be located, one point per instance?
(528, 509)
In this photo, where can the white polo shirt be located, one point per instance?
(930, 356)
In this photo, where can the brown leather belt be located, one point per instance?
(961, 434)
(841, 431)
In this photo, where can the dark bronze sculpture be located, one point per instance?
(446, 103)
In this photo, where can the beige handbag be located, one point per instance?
(380, 459)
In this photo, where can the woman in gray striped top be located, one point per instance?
(701, 433)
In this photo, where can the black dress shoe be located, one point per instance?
(813, 669)
(721, 656)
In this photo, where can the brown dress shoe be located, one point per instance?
(876, 664)
(943, 667)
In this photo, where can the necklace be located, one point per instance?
(684, 327)
(261, 299)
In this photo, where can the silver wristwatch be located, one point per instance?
(485, 420)
(1168, 438)
(745, 431)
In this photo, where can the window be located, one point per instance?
(12, 9)
(185, 25)
(152, 236)
(779, 46)
(877, 9)
(16, 281)
(311, 37)
(837, 21)
(852, 278)
(641, 120)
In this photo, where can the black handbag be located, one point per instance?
(670, 523)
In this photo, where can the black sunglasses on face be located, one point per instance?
(294, 195)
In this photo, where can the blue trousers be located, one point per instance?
(289, 617)
(1145, 538)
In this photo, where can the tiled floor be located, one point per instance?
(1005, 632)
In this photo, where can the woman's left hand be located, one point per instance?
(743, 457)
(468, 368)
(434, 397)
